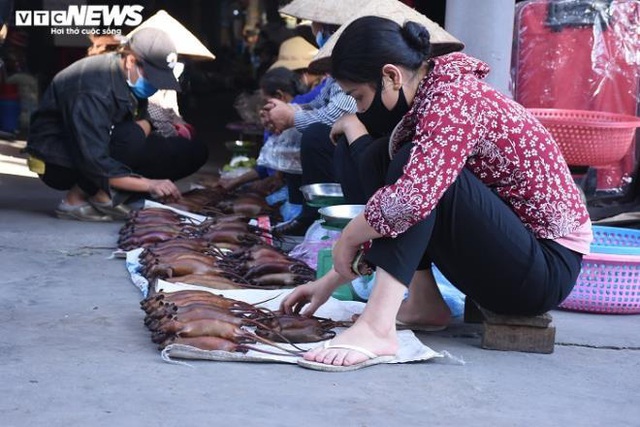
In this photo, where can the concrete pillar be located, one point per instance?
(486, 29)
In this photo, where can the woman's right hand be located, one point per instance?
(264, 116)
(279, 115)
(164, 189)
(310, 296)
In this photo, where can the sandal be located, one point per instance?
(119, 213)
(84, 212)
(371, 359)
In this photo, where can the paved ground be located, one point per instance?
(74, 351)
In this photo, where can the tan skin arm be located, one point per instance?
(278, 115)
(145, 125)
(349, 126)
(357, 232)
(160, 188)
(313, 294)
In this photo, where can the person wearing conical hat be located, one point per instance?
(326, 16)
(341, 13)
(289, 80)
(314, 120)
(296, 54)
(475, 185)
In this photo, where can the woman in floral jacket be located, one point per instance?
(476, 186)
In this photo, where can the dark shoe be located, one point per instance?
(84, 212)
(118, 213)
(294, 227)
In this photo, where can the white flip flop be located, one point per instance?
(373, 359)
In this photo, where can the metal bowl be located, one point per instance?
(339, 215)
(321, 195)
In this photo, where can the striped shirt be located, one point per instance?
(331, 104)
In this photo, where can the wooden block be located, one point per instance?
(541, 321)
(530, 339)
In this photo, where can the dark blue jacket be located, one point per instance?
(72, 126)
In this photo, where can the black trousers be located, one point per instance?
(316, 158)
(154, 157)
(323, 162)
(481, 246)
(294, 182)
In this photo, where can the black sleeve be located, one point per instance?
(347, 161)
(371, 158)
(88, 118)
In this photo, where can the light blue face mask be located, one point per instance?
(321, 39)
(142, 88)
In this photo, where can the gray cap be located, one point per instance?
(157, 52)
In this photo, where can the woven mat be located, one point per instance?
(411, 349)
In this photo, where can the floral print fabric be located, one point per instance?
(456, 120)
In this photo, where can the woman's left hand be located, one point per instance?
(357, 232)
(343, 255)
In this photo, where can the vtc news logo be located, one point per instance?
(81, 16)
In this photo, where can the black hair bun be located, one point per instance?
(417, 37)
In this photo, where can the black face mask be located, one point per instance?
(380, 121)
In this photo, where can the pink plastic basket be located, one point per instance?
(589, 138)
(607, 283)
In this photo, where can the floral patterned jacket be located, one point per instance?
(456, 120)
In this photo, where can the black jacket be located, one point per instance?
(72, 126)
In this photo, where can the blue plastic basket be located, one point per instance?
(609, 281)
(615, 241)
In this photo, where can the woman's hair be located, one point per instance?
(125, 49)
(103, 44)
(370, 42)
(283, 79)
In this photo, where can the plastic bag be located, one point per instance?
(363, 285)
(288, 210)
(282, 152)
(581, 55)
(316, 239)
(277, 196)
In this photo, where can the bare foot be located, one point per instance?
(421, 316)
(425, 305)
(361, 334)
(433, 313)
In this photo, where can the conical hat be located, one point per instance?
(186, 43)
(335, 12)
(441, 41)
(295, 53)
